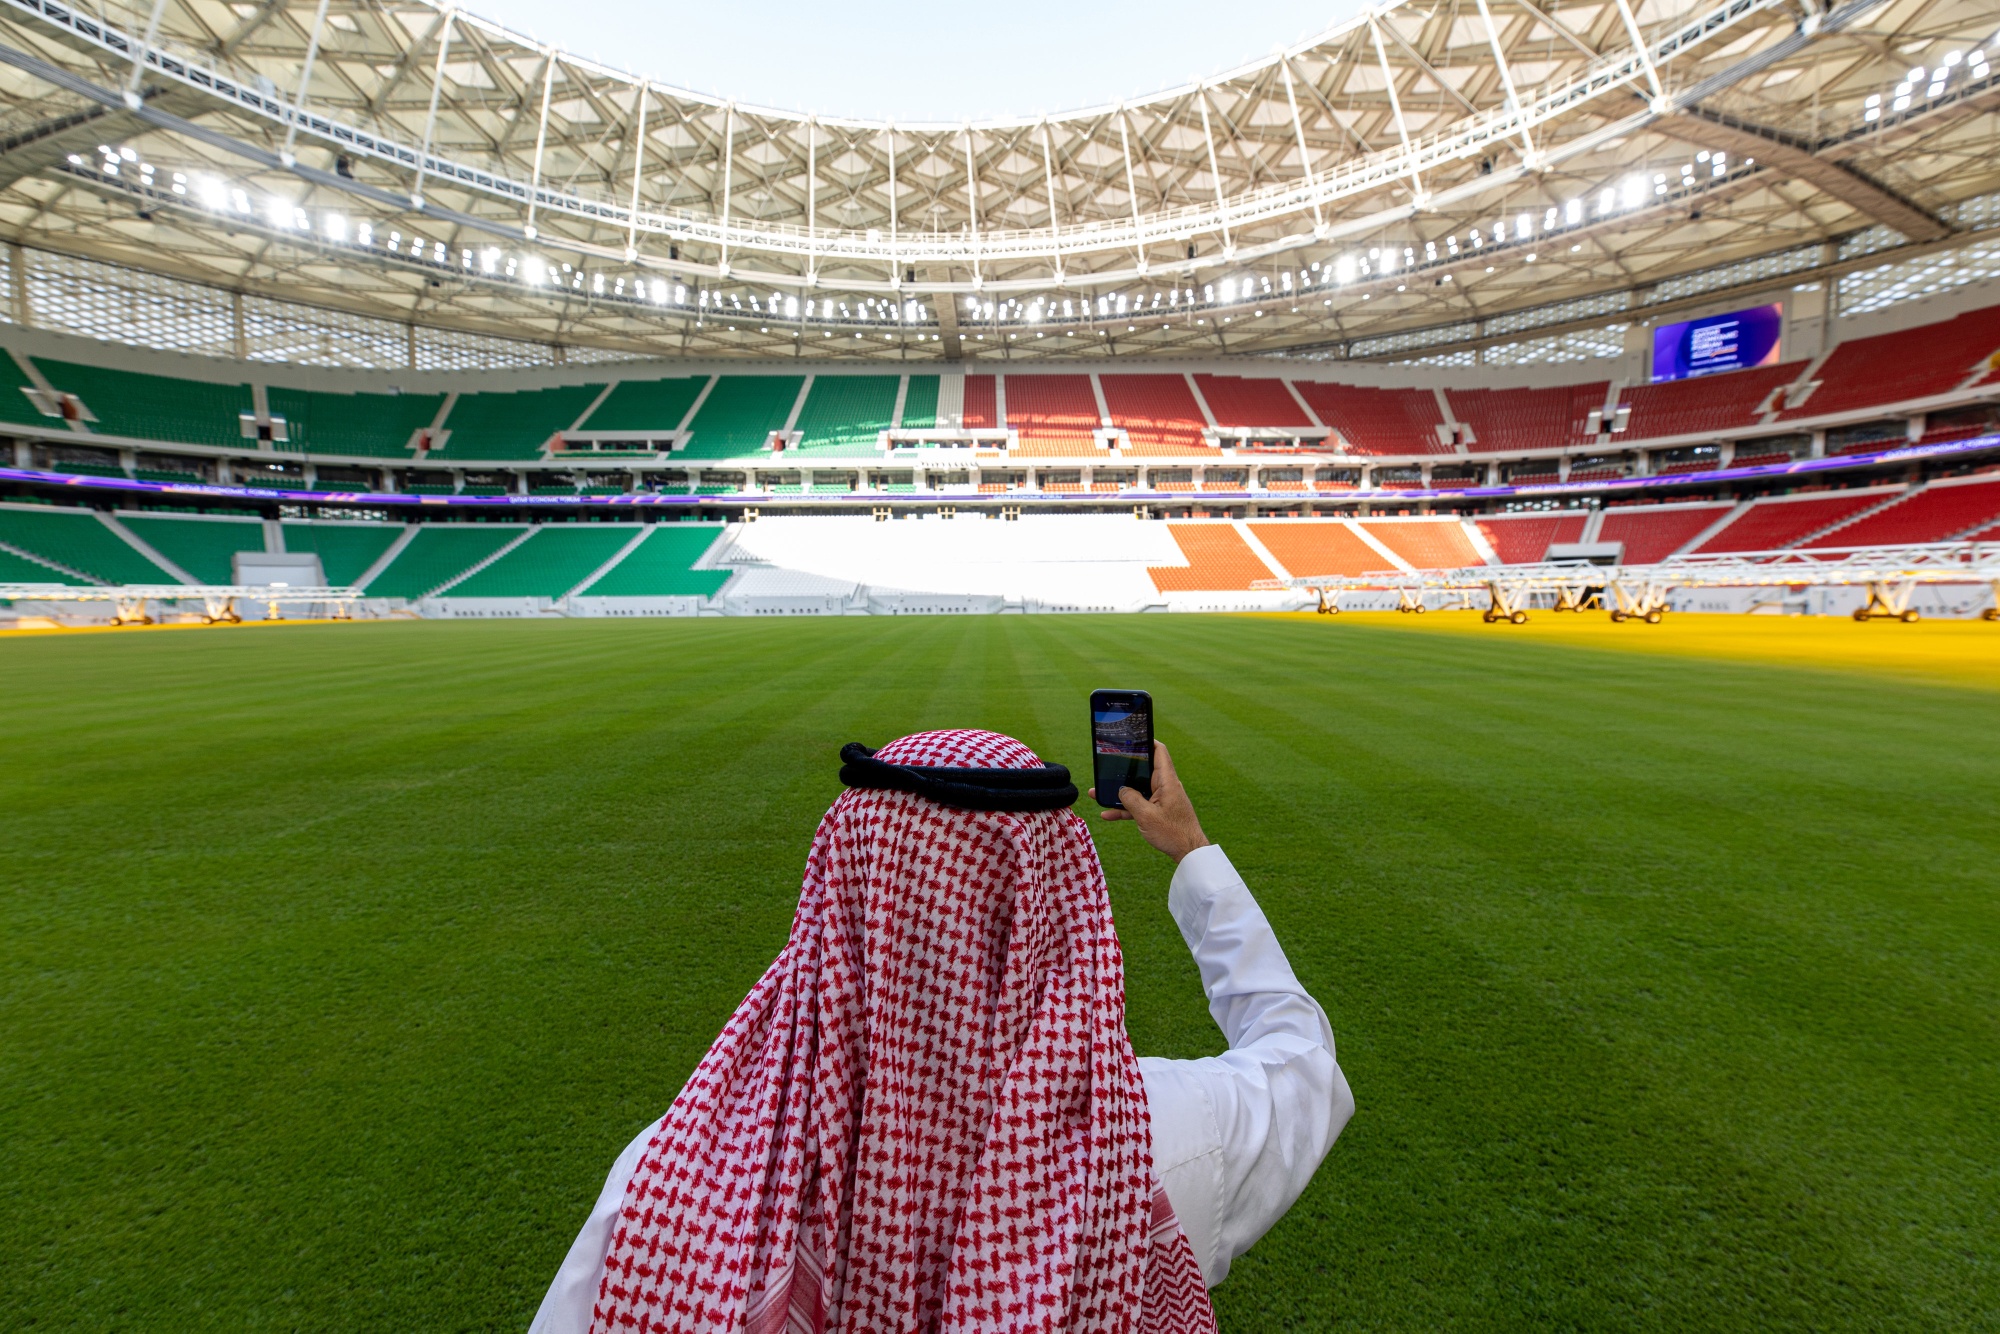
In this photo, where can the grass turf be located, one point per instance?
(337, 962)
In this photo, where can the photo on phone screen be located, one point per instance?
(1121, 743)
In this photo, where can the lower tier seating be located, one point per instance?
(1427, 544)
(1652, 534)
(204, 546)
(438, 554)
(75, 538)
(555, 558)
(1938, 513)
(1309, 550)
(1523, 539)
(1779, 521)
(659, 566)
(20, 570)
(1219, 560)
(345, 550)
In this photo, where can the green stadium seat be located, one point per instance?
(645, 405)
(920, 403)
(715, 490)
(15, 406)
(166, 475)
(345, 550)
(368, 425)
(845, 414)
(154, 407)
(739, 414)
(832, 489)
(600, 490)
(437, 554)
(484, 491)
(786, 489)
(659, 566)
(76, 539)
(79, 469)
(557, 558)
(203, 547)
(512, 425)
(20, 570)
(429, 489)
(548, 490)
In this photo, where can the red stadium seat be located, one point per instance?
(1938, 513)
(1705, 406)
(1158, 413)
(1652, 533)
(1378, 421)
(1239, 401)
(1780, 521)
(1516, 419)
(1052, 414)
(1521, 539)
(1897, 367)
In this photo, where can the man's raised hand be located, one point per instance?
(1167, 819)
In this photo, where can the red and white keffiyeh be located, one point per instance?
(926, 1116)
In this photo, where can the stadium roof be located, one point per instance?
(1429, 174)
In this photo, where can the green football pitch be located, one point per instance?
(338, 962)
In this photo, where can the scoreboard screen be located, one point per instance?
(1717, 343)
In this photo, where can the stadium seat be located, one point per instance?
(513, 425)
(1897, 367)
(365, 425)
(645, 405)
(1939, 512)
(1517, 419)
(844, 415)
(75, 539)
(1378, 421)
(1523, 539)
(739, 414)
(1704, 406)
(555, 558)
(204, 546)
(154, 407)
(1780, 521)
(1652, 533)
(1158, 413)
(437, 554)
(981, 410)
(15, 405)
(1240, 401)
(920, 403)
(1053, 415)
(659, 566)
(345, 549)
(1328, 548)
(1427, 544)
(1219, 560)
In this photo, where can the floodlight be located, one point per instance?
(128, 155)
(792, 307)
(660, 292)
(76, 159)
(1524, 226)
(1573, 212)
(336, 227)
(365, 234)
(489, 259)
(1343, 269)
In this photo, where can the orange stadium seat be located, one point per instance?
(1427, 544)
(1378, 421)
(1308, 550)
(1219, 560)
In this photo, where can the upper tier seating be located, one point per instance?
(76, 539)
(1654, 533)
(1708, 405)
(645, 405)
(1158, 413)
(370, 425)
(1054, 414)
(1894, 367)
(154, 407)
(438, 554)
(981, 411)
(1517, 419)
(15, 406)
(1427, 544)
(845, 415)
(920, 402)
(555, 558)
(512, 425)
(1937, 513)
(1219, 559)
(658, 566)
(740, 413)
(1779, 521)
(1241, 401)
(1378, 421)
(201, 545)
(345, 550)
(1524, 539)
(1309, 550)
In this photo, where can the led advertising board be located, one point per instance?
(1717, 343)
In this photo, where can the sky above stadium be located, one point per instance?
(920, 61)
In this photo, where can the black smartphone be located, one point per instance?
(1121, 743)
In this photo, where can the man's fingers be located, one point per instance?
(1133, 801)
(1163, 762)
(1113, 813)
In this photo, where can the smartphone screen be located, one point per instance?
(1121, 743)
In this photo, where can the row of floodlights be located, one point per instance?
(1934, 80)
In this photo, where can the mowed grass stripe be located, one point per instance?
(1666, 986)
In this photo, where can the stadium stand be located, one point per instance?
(512, 425)
(1427, 544)
(659, 566)
(555, 558)
(920, 403)
(981, 410)
(1307, 550)
(1713, 403)
(75, 539)
(1378, 421)
(645, 405)
(154, 407)
(20, 570)
(437, 554)
(1780, 521)
(1239, 401)
(844, 415)
(1053, 414)
(1219, 560)
(1896, 367)
(1515, 419)
(1653, 533)
(1522, 539)
(1158, 413)
(203, 546)
(367, 425)
(739, 415)
(1937, 513)
(345, 550)
(15, 405)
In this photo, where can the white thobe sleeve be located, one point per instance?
(1237, 1137)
